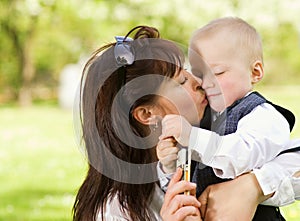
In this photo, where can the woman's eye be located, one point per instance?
(185, 80)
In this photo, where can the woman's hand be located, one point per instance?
(232, 200)
(177, 206)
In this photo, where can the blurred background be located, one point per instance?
(43, 46)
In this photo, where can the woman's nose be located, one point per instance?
(197, 83)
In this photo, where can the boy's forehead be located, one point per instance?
(214, 38)
(215, 51)
(198, 64)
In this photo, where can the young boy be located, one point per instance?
(248, 130)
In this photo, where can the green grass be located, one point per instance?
(41, 166)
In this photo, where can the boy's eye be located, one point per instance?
(218, 73)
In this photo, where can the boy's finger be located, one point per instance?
(170, 139)
(164, 136)
(165, 144)
(169, 160)
(169, 150)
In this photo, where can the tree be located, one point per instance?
(39, 37)
(20, 26)
(42, 36)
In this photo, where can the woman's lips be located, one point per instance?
(204, 100)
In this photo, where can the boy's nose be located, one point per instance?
(208, 82)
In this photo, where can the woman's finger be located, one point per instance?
(185, 200)
(178, 188)
(169, 196)
(181, 201)
(176, 177)
(188, 213)
(203, 199)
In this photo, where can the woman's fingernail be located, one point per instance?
(193, 184)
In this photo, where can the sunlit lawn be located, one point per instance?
(41, 166)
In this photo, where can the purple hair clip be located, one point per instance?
(123, 51)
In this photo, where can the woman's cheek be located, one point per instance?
(188, 108)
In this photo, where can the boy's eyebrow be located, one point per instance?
(214, 64)
(217, 64)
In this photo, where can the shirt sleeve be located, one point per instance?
(277, 176)
(164, 179)
(260, 136)
(296, 187)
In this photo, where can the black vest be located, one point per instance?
(225, 124)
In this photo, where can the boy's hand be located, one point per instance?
(178, 127)
(167, 151)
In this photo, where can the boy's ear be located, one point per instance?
(257, 71)
(143, 114)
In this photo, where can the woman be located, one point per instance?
(126, 88)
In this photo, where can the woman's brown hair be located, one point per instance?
(113, 138)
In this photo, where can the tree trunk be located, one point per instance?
(27, 73)
(24, 47)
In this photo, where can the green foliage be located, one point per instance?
(282, 54)
(64, 31)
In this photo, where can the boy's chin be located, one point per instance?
(218, 108)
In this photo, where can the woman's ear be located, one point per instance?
(257, 71)
(143, 114)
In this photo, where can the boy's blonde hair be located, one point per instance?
(249, 41)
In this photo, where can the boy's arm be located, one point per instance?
(260, 136)
(163, 178)
(280, 176)
(166, 151)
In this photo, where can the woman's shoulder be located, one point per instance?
(113, 211)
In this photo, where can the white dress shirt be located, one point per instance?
(260, 136)
(278, 176)
(275, 177)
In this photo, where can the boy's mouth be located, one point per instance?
(211, 95)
